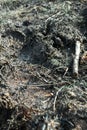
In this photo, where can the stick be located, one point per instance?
(76, 58)
(55, 99)
(42, 85)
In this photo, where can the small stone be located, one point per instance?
(72, 94)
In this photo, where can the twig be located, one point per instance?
(49, 84)
(57, 93)
(65, 71)
(76, 58)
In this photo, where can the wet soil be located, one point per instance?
(37, 43)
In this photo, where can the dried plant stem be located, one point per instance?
(55, 99)
(76, 58)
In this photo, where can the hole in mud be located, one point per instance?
(25, 53)
(16, 35)
(34, 53)
(26, 23)
(57, 42)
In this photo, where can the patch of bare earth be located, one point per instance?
(37, 46)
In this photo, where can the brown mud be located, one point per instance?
(37, 43)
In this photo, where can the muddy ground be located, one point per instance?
(37, 44)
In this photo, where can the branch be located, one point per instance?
(76, 58)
